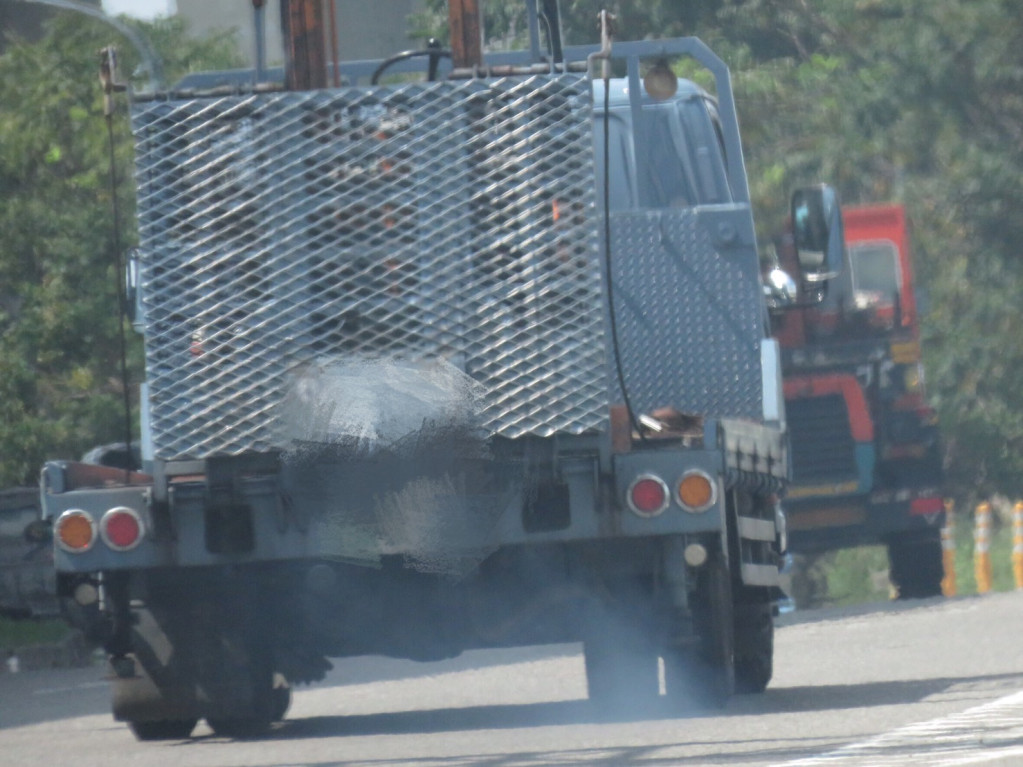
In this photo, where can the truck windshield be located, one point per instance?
(676, 160)
(875, 272)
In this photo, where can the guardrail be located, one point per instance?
(27, 576)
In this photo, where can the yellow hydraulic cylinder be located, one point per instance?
(1017, 543)
(948, 550)
(982, 547)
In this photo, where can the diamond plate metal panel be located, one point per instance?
(689, 313)
(438, 220)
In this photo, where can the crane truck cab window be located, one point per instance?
(876, 279)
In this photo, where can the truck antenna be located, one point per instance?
(151, 63)
(108, 79)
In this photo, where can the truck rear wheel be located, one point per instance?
(705, 673)
(254, 717)
(197, 647)
(167, 729)
(239, 727)
(754, 645)
(915, 565)
(280, 702)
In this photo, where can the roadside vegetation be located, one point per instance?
(60, 390)
(859, 575)
(15, 634)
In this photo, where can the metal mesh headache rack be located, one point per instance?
(447, 220)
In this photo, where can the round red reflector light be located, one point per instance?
(121, 528)
(926, 505)
(648, 495)
(75, 531)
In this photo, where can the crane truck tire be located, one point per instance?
(915, 565)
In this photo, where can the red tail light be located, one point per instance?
(926, 505)
(122, 528)
(648, 495)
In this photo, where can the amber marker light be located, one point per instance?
(696, 491)
(75, 531)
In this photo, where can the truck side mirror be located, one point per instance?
(817, 232)
(39, 531)
(780, 291)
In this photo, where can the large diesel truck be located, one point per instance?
(866, 458)
(475, 359)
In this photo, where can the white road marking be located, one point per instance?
(62, 690)
(991, 733)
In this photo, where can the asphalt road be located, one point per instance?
(937, 682)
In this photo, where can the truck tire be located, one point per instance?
(754, 646)
(915, 565)
(704, 675)
(167, 729)
(197, 649)
(241, 727)
(280, 702)
(265, 709)
(252, 717)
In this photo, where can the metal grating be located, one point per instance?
(823, 449)
(436, 220)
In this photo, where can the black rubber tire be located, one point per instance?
(916, 566)
(280, 702)
(167, 729)
(216, 631)
(266, 706)
(754, 647)
(704, 675)
(241, 727)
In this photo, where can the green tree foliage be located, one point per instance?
(504, 21)
(919, 102)
(60, 388)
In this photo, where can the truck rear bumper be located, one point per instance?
(818, 525)
(364, 511)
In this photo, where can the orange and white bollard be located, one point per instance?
(948, 550)
(982, 547)
(1017, 543)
